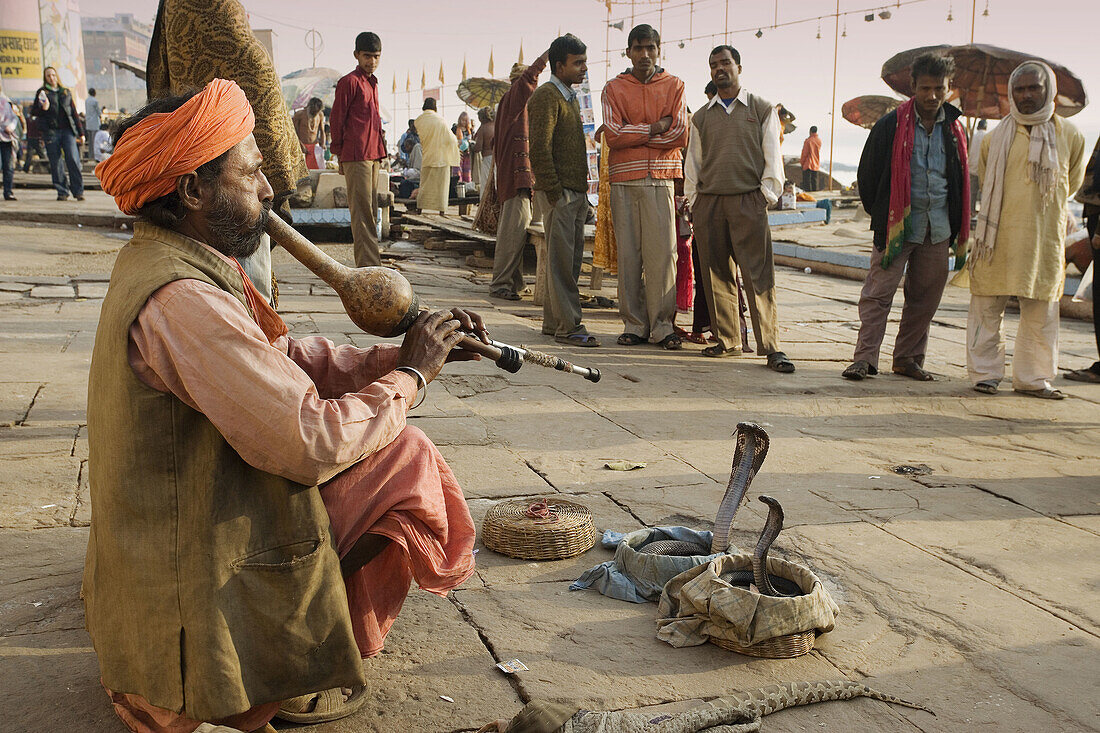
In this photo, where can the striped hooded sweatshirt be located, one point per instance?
(629, 107)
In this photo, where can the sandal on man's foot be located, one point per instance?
(719, 353)
(858, 370)
(913, 370)
(778, 362)
(696, 338)
(322, 707)
(987, 386)
(671, 342)
(578, 339)
(1084, 375)
(629, 339)
(1046, 393)
(504, 294)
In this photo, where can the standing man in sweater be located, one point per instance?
(560, 165)
(356, 127)
(645, 127)
(514, 180)
(734, 172)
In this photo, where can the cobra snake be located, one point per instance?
(752, 448)
(749, 454)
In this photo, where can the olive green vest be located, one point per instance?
(209, 586)
(732, 146)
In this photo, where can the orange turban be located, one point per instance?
(152, 154)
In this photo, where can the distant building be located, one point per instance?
(124, 38)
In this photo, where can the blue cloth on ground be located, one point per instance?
(639, 577)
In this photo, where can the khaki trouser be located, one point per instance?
(733, 231)
(563, 223)
(925, 278)
(515, 217)
(362, 182)
(645, 234)
(1035, 353)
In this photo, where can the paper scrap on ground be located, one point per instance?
(623, 465)
(512, 666)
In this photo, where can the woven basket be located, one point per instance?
(781, 647)
(567, 532)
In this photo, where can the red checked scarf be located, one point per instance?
(899, 223)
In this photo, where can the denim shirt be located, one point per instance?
(928, 194)
(566, 91)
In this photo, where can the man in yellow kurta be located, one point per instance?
(1029, 165)
(440, 151)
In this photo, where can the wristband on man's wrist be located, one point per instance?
(420, 382)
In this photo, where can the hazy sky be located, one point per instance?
(787, 64)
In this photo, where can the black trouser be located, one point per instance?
(809, 180)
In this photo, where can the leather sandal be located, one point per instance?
(986, 386)
(859, 370)
(322, 707)
(719, 353)
(778, 362)
(1047, 393)
(913, 370)
(671, 342)
(629, 339)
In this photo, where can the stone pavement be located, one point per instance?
(972, 589)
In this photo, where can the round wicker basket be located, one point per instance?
(566, 531)
(781, 647)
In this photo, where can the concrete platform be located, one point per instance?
(971, 589)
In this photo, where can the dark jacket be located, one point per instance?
(511, 154)
(62, 113)
(875, 168)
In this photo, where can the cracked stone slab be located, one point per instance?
(452, 430)
(486, 472)
(60, 403)
(52, 291)
(15, 400)
(973, 652)
(38, 492)
(91, 290)
(430, 651)
(603, 654)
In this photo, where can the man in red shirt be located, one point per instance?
(356, 127)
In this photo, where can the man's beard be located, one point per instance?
(231, 231)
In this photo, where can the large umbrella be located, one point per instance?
(299, 86)
(480, 92)
(981, 79)
(865, 111)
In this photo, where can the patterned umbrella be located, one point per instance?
(865, 111)
(299, 86)
(478, 92)
(981, 79)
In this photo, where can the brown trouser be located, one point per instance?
(361, 177)
(732, 231)
(925, 278)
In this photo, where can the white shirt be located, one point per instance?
(771, 183)
(101, 145)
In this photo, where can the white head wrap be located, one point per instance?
(1042, 155)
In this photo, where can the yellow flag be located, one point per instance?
(490, 61)
(463, 68)
(408, 81)
(423, 78)
(395, 82)
(441, 79)
(521, 52)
